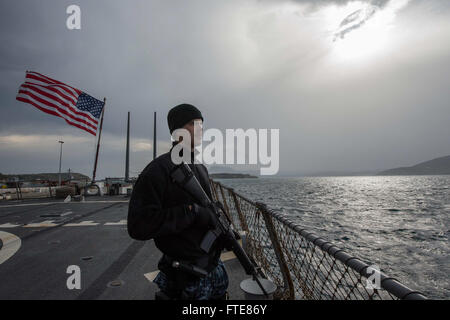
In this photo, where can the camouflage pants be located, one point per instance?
(213, 286)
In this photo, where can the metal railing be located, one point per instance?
(301, 264)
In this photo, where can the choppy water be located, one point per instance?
(400, 223)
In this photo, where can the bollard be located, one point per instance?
(253, 291)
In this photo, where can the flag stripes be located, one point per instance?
(61, 100)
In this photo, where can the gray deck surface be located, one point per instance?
(37, 270)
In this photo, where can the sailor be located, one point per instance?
(160, 210)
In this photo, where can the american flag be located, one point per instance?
(61, 100)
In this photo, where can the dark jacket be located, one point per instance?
(159, 210)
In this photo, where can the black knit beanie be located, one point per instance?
(180, 115)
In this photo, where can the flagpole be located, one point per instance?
(98, 142)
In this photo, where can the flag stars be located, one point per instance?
(90, 104)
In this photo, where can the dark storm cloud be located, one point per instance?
(241, 64)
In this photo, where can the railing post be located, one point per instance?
(227, 210)
(213, 185)
(238, 209)
(18, 191)
(288, 284)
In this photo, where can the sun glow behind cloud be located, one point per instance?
(366, 34)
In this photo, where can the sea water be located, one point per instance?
(400, 223)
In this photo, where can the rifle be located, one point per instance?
(222, 234)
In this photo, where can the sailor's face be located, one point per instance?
(195, 128)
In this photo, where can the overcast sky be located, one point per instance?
(352, 85)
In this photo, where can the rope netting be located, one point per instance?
(302, 265)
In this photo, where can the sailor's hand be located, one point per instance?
(204, 217)
(219, 205)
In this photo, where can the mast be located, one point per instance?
(98, 142)
(127, 158)
(154, 135)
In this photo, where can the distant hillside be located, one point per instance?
(435, 166)
(230, 176)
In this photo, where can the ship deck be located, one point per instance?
(40, 239)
